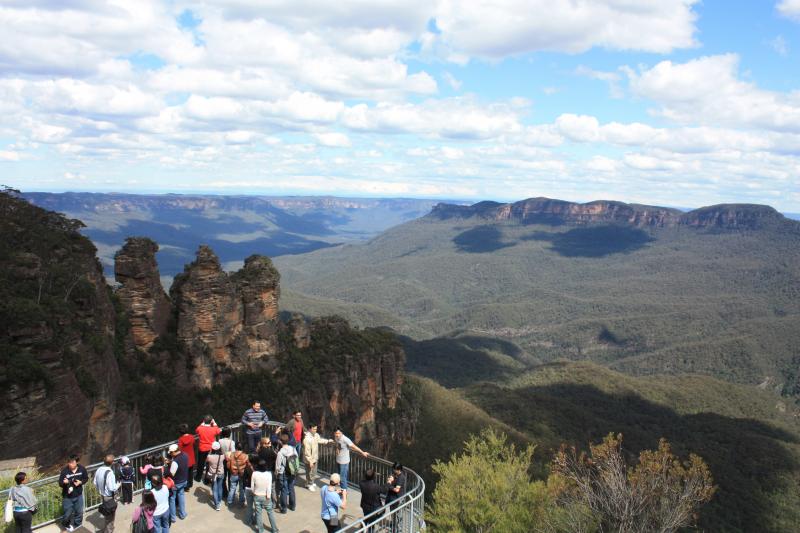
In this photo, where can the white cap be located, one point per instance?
(336, 479)
(172, 448)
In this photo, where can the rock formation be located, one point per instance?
(227, 323)
(141, 292)
(557, 212)
(60, 382)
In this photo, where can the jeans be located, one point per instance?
(216, 490)
(251, 509)
(343, 469)
(287, 489)
(23, 519)
(234, 480)
(73, 511)
(177, 502)
(252, 441)
(261, 503)
(161, 523)
(199, 465)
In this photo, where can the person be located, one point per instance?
(333, 498)
(261, 487)
(254, 420)
(395, 490)
(286, 478)
(207, 433)
(226, 446)
(275, 437)
(145, 468)
(236, 463)
(371, 492)
(156, 469)
(72, 478)
(105, 481)
(161, 494)
(186, 444)
(311, 444)
(24, 502)
(246, 480)
(267, 452)
(179, 471)
(295, 429)
(215, 464)
(126, 475)
(343, 447)
(146, 508)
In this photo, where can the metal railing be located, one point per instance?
(404, 515)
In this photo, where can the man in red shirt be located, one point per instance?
(207, 431)
(186, 445)
(295, 429)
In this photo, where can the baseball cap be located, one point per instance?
(172, 448)
(335, 478)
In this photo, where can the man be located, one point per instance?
(179, 472)
(236, 464)
(186, 444)
(72, 479)
(371, 492)
(254, 420)
(311, 444)
(106, 484)
(295, 429)
(343, 447)
(207, 432)
(161, 513)
(396, 490)
(285, 477)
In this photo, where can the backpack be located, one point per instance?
(140, 526)
(292, 465)
(235, 464)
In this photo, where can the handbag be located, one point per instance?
(9, 511)
(109, 505)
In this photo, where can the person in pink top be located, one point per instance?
(207, 432)
(146, 508)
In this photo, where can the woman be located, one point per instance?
(333, 499)
(261, 486)
(215, 470)
(161, 495)
(24, 503)
(147, 509)
(267, 453)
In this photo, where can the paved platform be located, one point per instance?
(203, 518)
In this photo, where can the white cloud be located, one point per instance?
(509, 27)
(780, 45)
(789, 9)
(333, 139)
(451, 80)
(708, 91)
(9, 155)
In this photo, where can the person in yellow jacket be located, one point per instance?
(311, 443)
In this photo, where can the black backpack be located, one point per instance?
(140, 526)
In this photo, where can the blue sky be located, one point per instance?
(671, 102)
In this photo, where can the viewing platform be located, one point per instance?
(406, 513)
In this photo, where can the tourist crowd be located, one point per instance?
(258, 473)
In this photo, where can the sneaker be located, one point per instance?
(312, 488)
(70, 528)
(218, 508)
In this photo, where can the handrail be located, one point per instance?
(402, 515)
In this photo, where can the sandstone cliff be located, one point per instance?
(59, 375)
(227, 323)
(140, 291)
(557, 212)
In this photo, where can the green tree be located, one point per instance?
(488, 489)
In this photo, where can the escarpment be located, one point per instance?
(557, 212)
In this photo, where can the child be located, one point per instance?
(126, 473)
(143, 470)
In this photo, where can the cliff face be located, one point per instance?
(227, 323)
(359, 376)
(557, 212)
(141, 292)
(59, 376)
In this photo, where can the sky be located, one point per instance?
(668, 102)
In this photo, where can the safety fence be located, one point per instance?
(404, 515)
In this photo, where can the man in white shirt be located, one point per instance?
(343, 447)
(107, 485)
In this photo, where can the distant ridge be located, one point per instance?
(557, 212)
